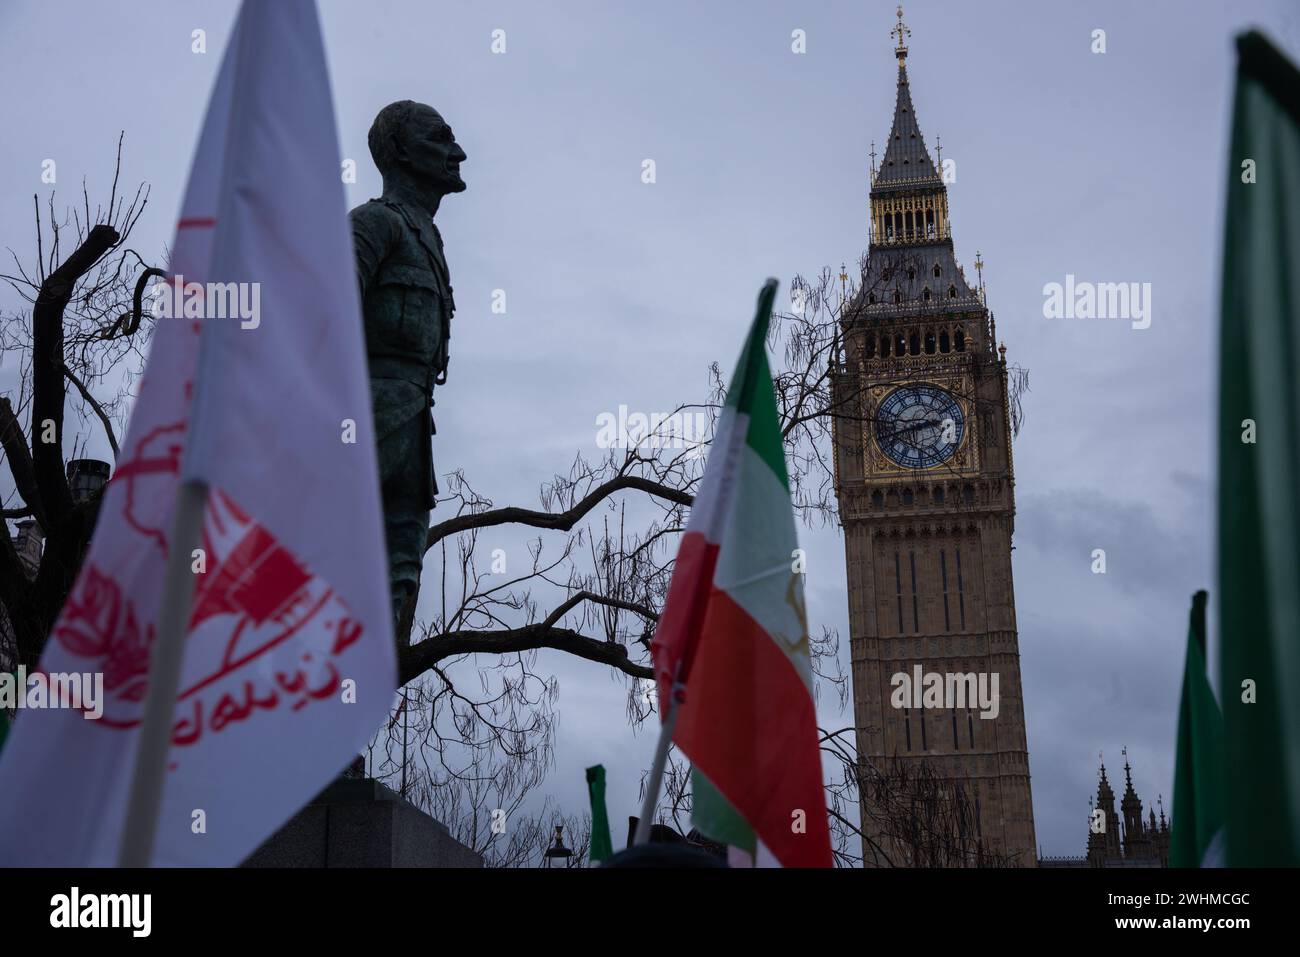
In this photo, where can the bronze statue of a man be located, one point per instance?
(407, 304)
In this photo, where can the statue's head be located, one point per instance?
(412, 142)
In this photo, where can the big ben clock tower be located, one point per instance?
(925, 485)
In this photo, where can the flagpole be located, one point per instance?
(404, 727)
(657, 769)
(164, 678)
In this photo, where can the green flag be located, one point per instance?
(601, 846)
(1259, 463)
(1196, 839)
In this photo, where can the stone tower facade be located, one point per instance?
(925, 487)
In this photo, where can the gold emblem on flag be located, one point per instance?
(794, 598)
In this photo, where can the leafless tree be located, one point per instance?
(473, 764)
(901, 813)
(84, 325)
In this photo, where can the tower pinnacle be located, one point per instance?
(900, 30)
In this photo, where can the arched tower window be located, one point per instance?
(914, 340)
(961, 590)
(960, 341)
(943, 340)
(916, 607)
(898, 589)
(943, 573)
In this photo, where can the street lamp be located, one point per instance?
(86, 478)
(558, 851)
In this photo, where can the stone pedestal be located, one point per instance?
(362, 823)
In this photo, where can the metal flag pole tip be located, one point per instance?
(655, 781)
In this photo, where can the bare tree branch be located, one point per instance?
(48, 365)
(421, 657)
(562, 521)
(20, 460)
(98, 409)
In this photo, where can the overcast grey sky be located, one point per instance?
(1105, 166)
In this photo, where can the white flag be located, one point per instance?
(289, 664)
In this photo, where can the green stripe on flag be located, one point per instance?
(1198, 771)
(1259, 463)
(751, 393)
(716, 817)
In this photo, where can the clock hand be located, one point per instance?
(926, 424)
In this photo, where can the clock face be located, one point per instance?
(919, 426)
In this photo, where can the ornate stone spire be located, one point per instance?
(906, 159)
(1131, 806)
(911, 265)
(1106, 801)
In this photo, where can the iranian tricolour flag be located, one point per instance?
(731, 650)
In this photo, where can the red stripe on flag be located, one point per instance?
(678, 632)
(749, 724)
(196, 222)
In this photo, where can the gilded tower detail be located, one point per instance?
(924, 481)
